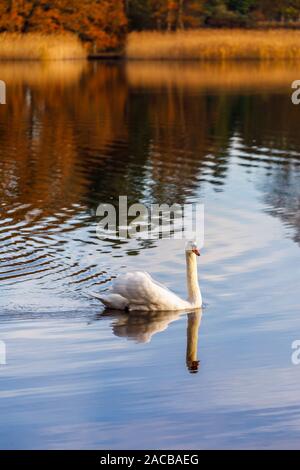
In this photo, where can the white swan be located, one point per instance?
(138, 291)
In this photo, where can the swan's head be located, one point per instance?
(192, 247)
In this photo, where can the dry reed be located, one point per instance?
(36, 46)
(211, 44)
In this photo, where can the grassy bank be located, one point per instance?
(35, 46)
(215, 44)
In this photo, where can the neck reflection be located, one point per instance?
(193, 326)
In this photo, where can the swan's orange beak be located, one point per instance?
(196, 251)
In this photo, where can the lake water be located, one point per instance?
(74, 135)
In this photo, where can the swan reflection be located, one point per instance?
(142, 326)
(193, 326)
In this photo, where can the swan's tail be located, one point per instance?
(113, 301)
(95, 296)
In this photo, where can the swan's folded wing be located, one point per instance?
(141, 290)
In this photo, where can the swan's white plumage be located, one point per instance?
(138, 291)
(141, 292)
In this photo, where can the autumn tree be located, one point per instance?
(180, 14)
(100, 23)
(241, 6)
(139, 13)
(281, 10)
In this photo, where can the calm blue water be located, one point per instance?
(75, 135)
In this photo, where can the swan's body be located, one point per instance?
(138, 291)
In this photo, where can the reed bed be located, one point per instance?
(36, 46)
(215, 44)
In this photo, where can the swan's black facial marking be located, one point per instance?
(196, 251)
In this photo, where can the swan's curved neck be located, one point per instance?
(192, 279)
